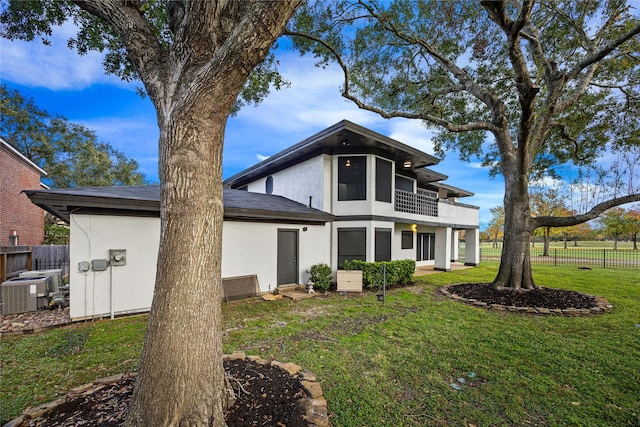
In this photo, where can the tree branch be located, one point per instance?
(527, 90)
(210, 55)
(486, 97)
(450, 126)
(554, 221)
(144, 48)
(602, 53)
(564, 133)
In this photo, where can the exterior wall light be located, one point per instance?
(414, 228)
(407, 163)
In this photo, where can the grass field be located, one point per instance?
(395, 364)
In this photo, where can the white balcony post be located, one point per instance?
(472, 246)
(443, 249)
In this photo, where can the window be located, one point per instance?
(383, 180)
(352, 244)
(383, 244)
(269, 185)
(352, 178)
(407, 240)
(404, 184)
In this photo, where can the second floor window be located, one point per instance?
(383, 180)
(352, 178)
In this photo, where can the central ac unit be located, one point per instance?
(55, 274)
(25, 294)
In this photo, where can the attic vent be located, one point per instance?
(239, 287)
(269, 185)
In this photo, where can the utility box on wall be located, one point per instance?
(117, 257)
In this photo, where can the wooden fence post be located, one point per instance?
(3, 266)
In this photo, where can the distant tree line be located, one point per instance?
(70, 153)
(616, 224)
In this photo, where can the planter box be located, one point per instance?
(349, 280)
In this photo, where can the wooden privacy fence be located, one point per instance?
(13, 260)
(16, 259)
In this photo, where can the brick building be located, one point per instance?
(21, 222)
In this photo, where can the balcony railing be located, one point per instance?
(422, 203)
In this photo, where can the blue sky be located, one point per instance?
(76, 87)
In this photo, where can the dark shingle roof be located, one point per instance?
(145, 201)
(344, 137)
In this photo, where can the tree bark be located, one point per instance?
(545, 249)
(181, 379)
(515, 262)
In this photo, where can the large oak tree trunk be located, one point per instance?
(181, 376)
(515, 262)
(182, 380)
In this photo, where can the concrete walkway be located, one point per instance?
(428, 269)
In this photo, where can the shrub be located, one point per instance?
(398, 272)
(55, 235)
(320, 276)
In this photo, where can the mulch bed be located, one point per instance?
(548, 298)
(265, 396)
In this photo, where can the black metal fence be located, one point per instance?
(50, 257)
(603, 258)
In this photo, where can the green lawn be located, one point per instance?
(394, 364)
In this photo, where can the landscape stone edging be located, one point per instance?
(602, 305)
(315, 405)
(29, 331)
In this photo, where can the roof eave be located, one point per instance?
(272, 163)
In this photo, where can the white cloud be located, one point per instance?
(313, 101)
(53, 67)
(261, 157)
(476, 165)
(121, 127)
(412, 132)
(548, 182)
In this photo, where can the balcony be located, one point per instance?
(421, 203)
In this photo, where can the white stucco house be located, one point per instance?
(387, 204)
(344, 193)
